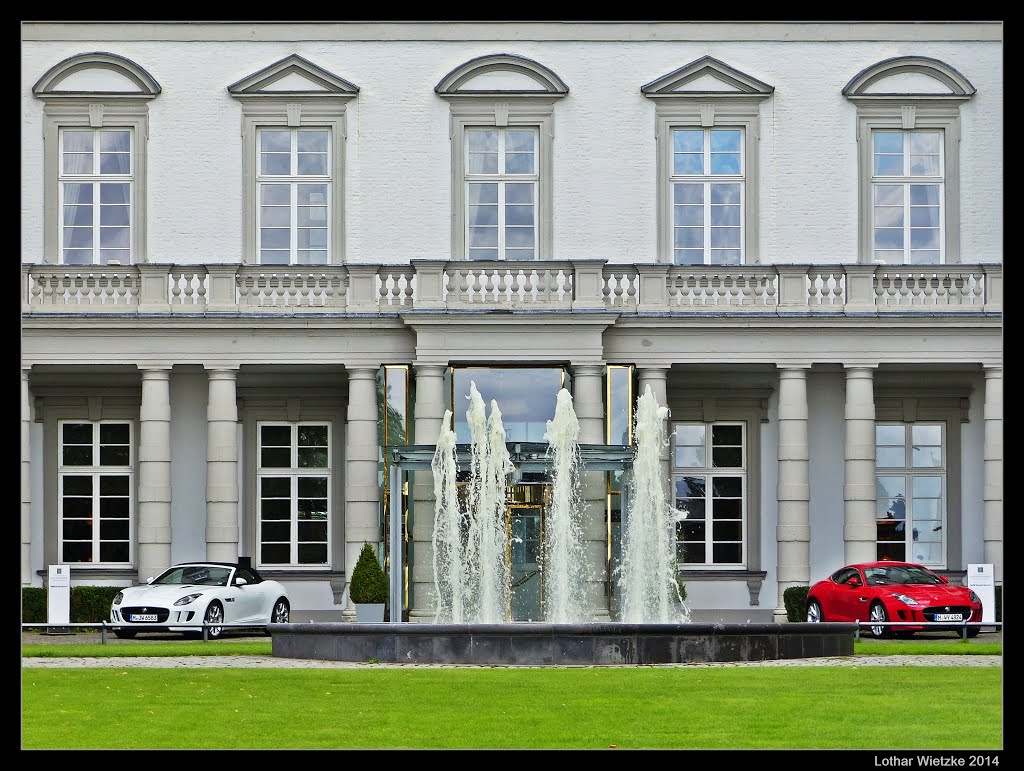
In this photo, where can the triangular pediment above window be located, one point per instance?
(707, 77)
(501, 75)
(96, 74)
(905, 78)
(293, 77)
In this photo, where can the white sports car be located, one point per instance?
(196, 593)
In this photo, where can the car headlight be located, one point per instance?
(974, 598)
(905, 599)
(187, 599)
(118, 598)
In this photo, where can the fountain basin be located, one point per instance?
(539, 644)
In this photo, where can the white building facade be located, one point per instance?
(256, 254)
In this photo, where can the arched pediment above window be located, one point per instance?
(909, 77)
(707, 77)
(293, 77)
(501, 75)
(97, 74)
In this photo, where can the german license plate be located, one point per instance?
(152, 617)
(949, 617)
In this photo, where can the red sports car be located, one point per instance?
(885, 592)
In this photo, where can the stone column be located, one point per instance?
(222, 467)
(588, 405)
(154, 486)
(859, 531)
(362, 490)
(992, 529)
(26, 479)
(657, 379)
(429, 413)
(793, 532)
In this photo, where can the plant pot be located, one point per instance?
(370, 612)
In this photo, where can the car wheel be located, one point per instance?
(214, 615)
(814, 614)
(972, 631)
(878, 614)
(125, 634)
(280, 612)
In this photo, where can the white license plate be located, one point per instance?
(152, 617)
(949, 617)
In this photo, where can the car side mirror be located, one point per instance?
(240, 582)
(944, 579)
(150, 579)
(853, 581)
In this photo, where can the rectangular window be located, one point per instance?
(95, 481)
(708, 187)
(710, 481)
(294, 186)
(294, 493)
(911, 492)
(96, 179)
(501, 193)
(907, 177)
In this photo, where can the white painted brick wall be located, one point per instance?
(398, 150)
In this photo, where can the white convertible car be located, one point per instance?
(196, 593)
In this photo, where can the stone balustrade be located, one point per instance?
(574, 285)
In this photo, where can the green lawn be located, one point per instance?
(847, 707)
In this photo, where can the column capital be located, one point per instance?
(653, 371)
(588, 369)
(429, 369)
(159, 372)
(860, 370)
(361, 373)
(793, 370)
(222, 373)
(25, 372)
(993, 371)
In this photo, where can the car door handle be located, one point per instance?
(863, 599)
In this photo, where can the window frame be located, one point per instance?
(734, 112)
(293, 472)
(273, 115)
(58, 117)
(908, 471)
(535, 114)
(706, 179)
(894, 118)
(95, 471)
(709, 472)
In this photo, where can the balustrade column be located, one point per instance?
(588, 404)
(859, 488)
(793, 532)
(429, 414)
(154, 488)
(992, 528)
(362, 489)
(26, 479)
(222, 467)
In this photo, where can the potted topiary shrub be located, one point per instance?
(368, 587)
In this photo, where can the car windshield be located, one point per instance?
(201, 575)
(900, 574)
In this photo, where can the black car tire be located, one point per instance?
(878, 613)
(973, 631)
(214, 614)
(125, 634)
(814, 613)
(279, 615)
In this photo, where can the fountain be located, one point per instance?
(471, 571)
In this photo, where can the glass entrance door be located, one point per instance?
(525, 528)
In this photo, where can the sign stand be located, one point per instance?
(981, 579)
(58, 599)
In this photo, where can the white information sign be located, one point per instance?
(982, 579)
(58, 595)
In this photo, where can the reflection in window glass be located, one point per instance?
(526, 398)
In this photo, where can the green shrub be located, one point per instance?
(795, 599)
(33, 605)
(89, 604)
(368, 584)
